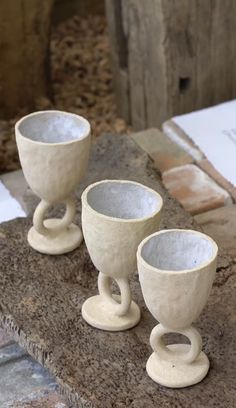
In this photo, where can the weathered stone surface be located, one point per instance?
(165, 153)
(53, 400)
(212, 172)
(23, 382)
(23, 379)
(10, 353)
(194, 189)
(41, 306)
(220, 224)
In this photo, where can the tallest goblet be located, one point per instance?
(54, 149)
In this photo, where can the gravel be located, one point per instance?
(81, 80)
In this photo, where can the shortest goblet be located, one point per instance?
(116, 216)
(54, 150)
(176, 272)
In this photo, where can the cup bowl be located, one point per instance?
(116, 216)
(176, 272)
(54, 150)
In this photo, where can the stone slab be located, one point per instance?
(41, 298)
(220, 224)
(53, 400)
(194, 189)
(22, 380)
(164, 152)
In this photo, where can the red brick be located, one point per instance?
(165, 153)
(211, 171)
(194, 189)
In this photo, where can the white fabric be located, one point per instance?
(9, 206)
(213, 130)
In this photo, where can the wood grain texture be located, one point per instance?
(24, 49)
(180, 56)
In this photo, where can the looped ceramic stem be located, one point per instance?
(165, 353)
(39, 215)
(104, 287)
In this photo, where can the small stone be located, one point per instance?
(165, 153)
(220, 224)
(194, 189)
(211, 171)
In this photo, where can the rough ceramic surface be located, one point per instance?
(116, 216)
(176, 273)
(54, 149)
(41, 301)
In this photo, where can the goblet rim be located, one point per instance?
(117, 219)
(54, 111)
(152, 268)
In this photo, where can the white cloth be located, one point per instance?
(213, 130)
(10, 208)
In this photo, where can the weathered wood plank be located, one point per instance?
(24, 49)
(180, 54)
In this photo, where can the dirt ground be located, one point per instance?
(81, 82)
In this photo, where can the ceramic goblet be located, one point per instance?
(54, 149)
(116, 216)
(176, 272)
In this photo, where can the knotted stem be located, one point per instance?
(158, 346)
(39, 215)
(104, 287)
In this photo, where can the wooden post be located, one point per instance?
(171, 57)
(24, 51)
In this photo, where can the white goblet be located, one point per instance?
(54, 150)
(116, 216)
(176, 272)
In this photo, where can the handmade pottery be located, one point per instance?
(116, 216)
(54, 149)
(176, 272)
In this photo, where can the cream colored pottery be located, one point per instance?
(116, 216)
(54, 149)
(176, 272)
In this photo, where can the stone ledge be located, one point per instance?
(42, 299)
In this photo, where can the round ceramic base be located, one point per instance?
(96, 312)
(177, 374)
(64, 242)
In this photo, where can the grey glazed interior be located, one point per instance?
(177, 250)
(123, 200)
(53, 127)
